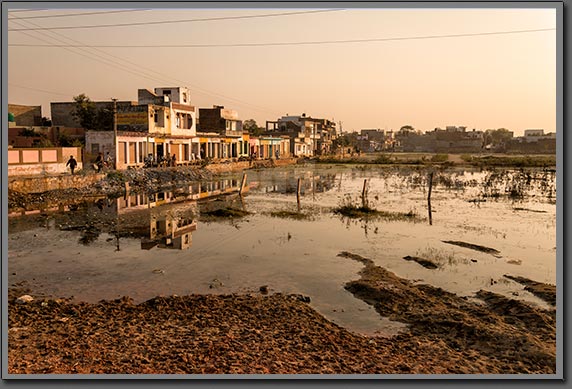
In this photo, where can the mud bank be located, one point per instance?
(493, 334)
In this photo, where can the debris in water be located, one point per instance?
(472, 246)
(423, 262)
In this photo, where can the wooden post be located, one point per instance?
(363, 197)
(429, 198)
(242, 184)
(298, 193)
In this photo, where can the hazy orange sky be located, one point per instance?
(478, 81)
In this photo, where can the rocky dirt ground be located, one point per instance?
(139, 180)
(280, 334)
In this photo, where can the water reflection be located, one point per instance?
(310, 182)
(164, 219)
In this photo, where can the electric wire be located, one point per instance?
(77, 14)
(40, 90)
(368, 40)
(175, 21)
(139, 70)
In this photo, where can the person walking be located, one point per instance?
(72, 163)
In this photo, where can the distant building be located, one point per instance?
(25, 115)
(308, 136)
(220, 120)
(536, 135)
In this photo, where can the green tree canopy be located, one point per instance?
(252, 127)
(89, 116)
(498, 136)
(407, 128)
(85, 111)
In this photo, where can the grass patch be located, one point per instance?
(354, 211)
(289, 215)
(512, 161)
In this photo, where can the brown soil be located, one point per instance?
(279, 334)
(544, 291)
(501, 336)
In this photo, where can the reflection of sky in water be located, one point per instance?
(290, 256)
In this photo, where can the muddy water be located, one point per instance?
(163, 244)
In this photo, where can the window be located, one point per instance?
(184, 97)
(178, 120)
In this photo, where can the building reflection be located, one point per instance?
(310, 183)
(164, 219)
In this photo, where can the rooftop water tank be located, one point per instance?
(11, 117)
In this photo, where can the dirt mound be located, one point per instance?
(199, 334)
(503, 335)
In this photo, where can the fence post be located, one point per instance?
(242, 184)
(429, 198)
(363, 194)
(298, 193)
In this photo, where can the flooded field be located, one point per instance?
(204, 238)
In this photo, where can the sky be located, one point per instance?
(366, 68)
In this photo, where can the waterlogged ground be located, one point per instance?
(143, 246)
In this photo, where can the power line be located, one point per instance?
(39, 90)
(175, 21)
(78, 14)
(138, 69)
(297, 43)
(28, 10)
(89, 55)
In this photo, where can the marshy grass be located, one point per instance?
(360, 207)
(510, 161)
(357, 211)
(441, 257)
(290, 215)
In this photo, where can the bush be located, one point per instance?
(440, 158)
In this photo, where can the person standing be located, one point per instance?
(72, 163)
(174, 160)
(99, 162)
(109, 161)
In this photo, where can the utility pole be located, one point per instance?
(114, 132)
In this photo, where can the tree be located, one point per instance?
(249, 124)
(407, 128)
(90, 117)
(252, 127)
(104, 119)
(46, 122)
(85, 111)
(499, 136)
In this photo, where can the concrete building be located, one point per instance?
(162, 123)
(24, 115)
(62, 112)
(309, 136)
(222, 123)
